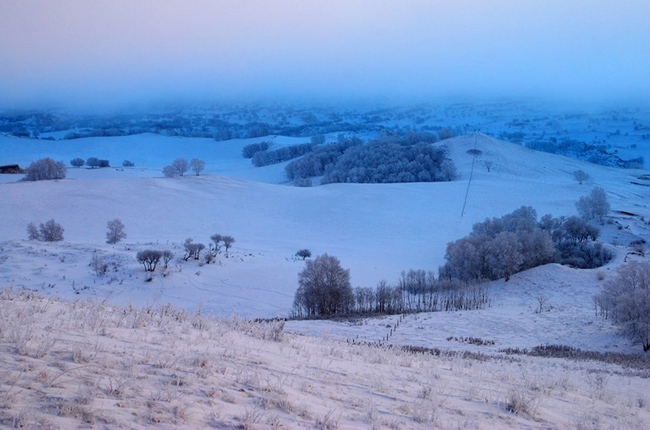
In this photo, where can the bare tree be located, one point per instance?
(167, 257)
(197, 165)
(227, 243)
(324, 288)
(149, 258)
(216, 239)
(51, 231)
(115, 231)
(580, 176)
(169, 172)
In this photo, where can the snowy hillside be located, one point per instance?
(376, 231)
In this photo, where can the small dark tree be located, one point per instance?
(197, 165)
(149, 258)
(127, 163)
(51, 231)
(216, 239)
(192, 250)
(227, 243)
(115, 231)
(32, 232)
(303, 253)
(580, 176)
(77, 162)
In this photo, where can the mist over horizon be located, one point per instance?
(90, 55)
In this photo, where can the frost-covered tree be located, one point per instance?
(167, 257)
(216, 240)
(51, 231)
(32, 232)
(192, 249)
(626, 299)
(197, 165)
(45, 169)
(77, 162)
(169, 172)
(181, 166)
(115, 231)
(580, 176)
(324, 288)
(593, 206)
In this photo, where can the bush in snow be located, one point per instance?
(169, 172)
(593, 206)
(45, 169)
(51, 231)
(127, 163)
(94, 162)
(626, 299)
(115, 231)
(227, 243)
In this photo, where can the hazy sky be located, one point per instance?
(108, 52)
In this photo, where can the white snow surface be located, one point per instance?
(376, 230)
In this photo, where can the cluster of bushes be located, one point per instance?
(324, 291)
(286, 153)
(45, 169)
(408, 158)
(51, 231)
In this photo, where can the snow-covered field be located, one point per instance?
(375, 230)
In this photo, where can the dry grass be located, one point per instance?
(93, 365)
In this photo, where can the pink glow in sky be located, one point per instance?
(69, 52)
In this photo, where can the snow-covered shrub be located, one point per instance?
(127, 163)
(45, 169)
(115, 231)
(626, 299)
(51, 231)
(32, 232)
(580, 176)
(169, 172)
(192, 250)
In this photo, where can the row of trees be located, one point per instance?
(51, 231)
(92, 162)
(180, 166)
(325, 290)
(265, 158)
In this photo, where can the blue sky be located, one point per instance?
(107, 53)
